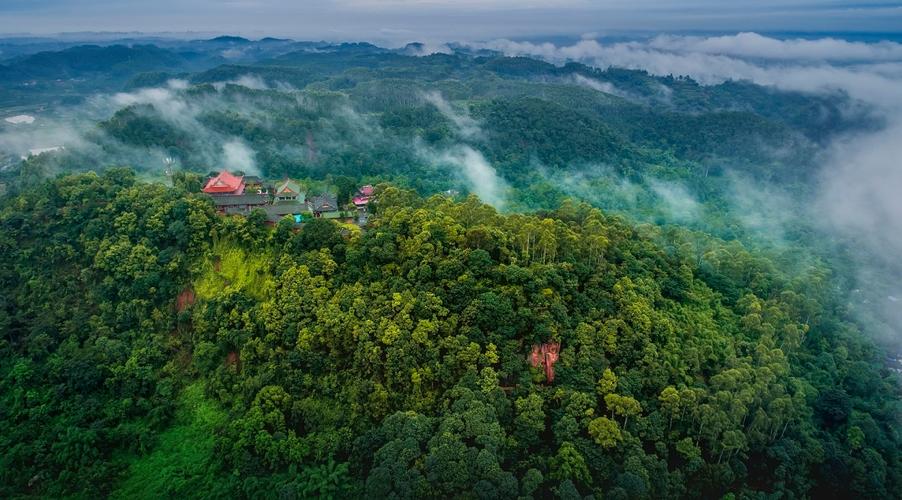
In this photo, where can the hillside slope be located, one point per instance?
(395, 362)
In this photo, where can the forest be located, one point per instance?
(155, 349)
(710, 336)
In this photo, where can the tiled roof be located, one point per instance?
(276, 211)
(323, 203)
(240, 199)
(225, 183)
(288, 187)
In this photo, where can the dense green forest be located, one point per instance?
(153, 349)
(713, 343)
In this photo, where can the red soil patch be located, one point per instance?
(545, 356)
(185, 299)
(233, 360)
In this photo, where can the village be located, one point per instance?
(242, 194)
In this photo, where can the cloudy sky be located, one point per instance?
(446, 19)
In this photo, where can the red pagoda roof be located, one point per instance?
(225, 183)
(363, 195)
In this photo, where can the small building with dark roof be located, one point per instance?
(323, 203)
(254, 183)
(240, 204)
(289, 191)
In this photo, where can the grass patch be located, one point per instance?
(230, 267)
(183, 464)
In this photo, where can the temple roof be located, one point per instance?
(324, 203)
(243, 199)
(225, 183)
(288, 187)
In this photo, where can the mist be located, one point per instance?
(464, 161)
(854, 194)
(466, 127)
(238, 156)
(480, 176)
(856, 198)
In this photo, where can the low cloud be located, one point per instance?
(860, 199)
(680, 205)
(21, 141)
(797, 65)
(255, 82)
(606, 87)
(466, 126)
(857, 188)
(165, 100)
(472, 167)
(422, 49)
(755, 46)
(236, 155)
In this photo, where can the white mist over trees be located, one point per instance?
(859, 184)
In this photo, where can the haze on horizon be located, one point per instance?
(446, 20)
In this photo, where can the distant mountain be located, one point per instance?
(229, 39)
(270, 39)
(114, 60)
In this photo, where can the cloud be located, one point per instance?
(650, 198)
(469, 164)
(233, 53)
(856, 198)
(860, 199)
(19, 141)
(422, 49)
(755, 46)
(606, 87)
(804, 65)
(679, 204)
(465, 125)
(766, 211)
(254, 82)
(76, 129)
(164, 100)
(466, 162)
(236, 155)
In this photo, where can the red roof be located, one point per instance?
(366, 190)
(225, 183)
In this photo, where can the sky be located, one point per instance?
(446, 20)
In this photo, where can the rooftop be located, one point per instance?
(225, 182)
(323, 203)
(241, 199)
(288, 187)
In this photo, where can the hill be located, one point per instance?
(397, 362)
(110, 61)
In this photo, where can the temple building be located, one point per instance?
(288, 199)
(363, 196)
(289, 191)
(324, 205)
(229, 196)
(225, 183)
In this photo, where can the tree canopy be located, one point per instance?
(392, 362)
